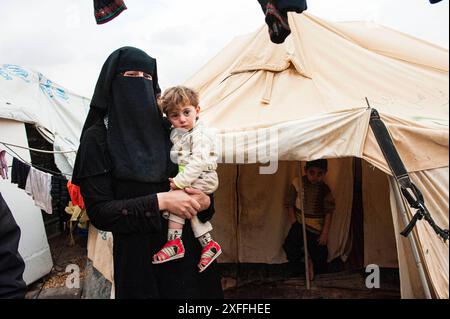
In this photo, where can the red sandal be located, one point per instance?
(172, 250)
(209, 253)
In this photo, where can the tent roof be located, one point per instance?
(312, 90)
(28, 96)
(324, 67)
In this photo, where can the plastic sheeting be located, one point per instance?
(29, 97)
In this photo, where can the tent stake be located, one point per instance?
(402, 208)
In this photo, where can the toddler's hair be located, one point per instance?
(176, 97)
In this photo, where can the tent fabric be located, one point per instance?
(323, 135)
(411, 286)
(335, 82)
(309, 94)
(420, 147)
(433, 250)
(28, 96)
(394, 44)
(378, 250)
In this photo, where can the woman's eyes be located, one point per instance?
(138, 74)
(132, 74)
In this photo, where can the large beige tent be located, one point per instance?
(304, 100)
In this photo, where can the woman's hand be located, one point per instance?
(179, 203)
(200, 197)
(172, 184)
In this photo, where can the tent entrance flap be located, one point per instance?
(409, 190)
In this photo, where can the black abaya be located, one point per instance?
(129, 209)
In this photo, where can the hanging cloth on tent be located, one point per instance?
(19, 173)
(106, 10)
(78, 218)
(39, 186)
(3, 165)
(276, 16)
(410, 191)
(75, 195)
(60, 198)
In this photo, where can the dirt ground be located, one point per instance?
(245, 281)
(53, 285)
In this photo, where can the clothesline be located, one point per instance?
(33, 165)
(37, 150)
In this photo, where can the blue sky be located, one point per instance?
(60, 39)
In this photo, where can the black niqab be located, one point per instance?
(137, 137)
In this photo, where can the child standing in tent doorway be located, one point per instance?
(194, 151)
(318, 205)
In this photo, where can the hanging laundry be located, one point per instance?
(106, 10)
(78, 218)
(3, 164)
(19, 173)
(60, 198)
(75, 195)
(291, 5)
(276, 16)
(12, 266)
(39, 186)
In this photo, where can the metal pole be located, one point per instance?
(305, 243)
(403, 208)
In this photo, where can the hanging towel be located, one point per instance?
(19, 173)
(38, 186)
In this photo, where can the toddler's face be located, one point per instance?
(184, 117)
(315, 175)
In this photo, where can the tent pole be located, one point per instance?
(399, 199)
(305, 243)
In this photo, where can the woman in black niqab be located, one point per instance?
(137, 135)
(122, 168)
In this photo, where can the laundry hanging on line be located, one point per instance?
(106, 10)
(50, 192)
(19, 173)
(3, 165)
(38, 186)
(276, 16)
(60, 198)
(75, 195)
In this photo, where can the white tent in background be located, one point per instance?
(310, 92)
(58, 114)
(29, 97)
